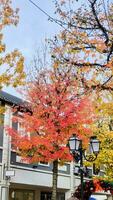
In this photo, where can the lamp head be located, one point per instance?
(94, 145)
(74, 144)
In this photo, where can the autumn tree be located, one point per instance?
(54, 114)
(104, 131)
(11, 64)
(85, 42)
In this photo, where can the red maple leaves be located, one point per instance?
(55, 114)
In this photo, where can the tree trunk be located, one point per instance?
(55, 177)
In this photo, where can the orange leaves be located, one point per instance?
(25, 144)
(97, 185)
(110, 64)
(56, 115)
(85, 43)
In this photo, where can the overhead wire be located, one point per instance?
(49, 17)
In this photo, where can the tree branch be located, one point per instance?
(98, 22)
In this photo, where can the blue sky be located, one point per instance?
(32, 29)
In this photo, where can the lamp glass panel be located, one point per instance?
(94, 146)
(72, 144)
(76, 169)
(90, 148)
(77, 144)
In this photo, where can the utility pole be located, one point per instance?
(5, 181)
(81, 168)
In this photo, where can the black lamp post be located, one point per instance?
(76, 149)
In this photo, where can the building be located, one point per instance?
(20, 180)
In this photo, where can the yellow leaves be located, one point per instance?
(101, 46)
(106, 108)
(2, 109)
(19, 65)
(2, 48)
(103, 130)
(106, 152)
(17, 81)
(8, 16)
(11, 64)
(4, 78)
(8, 11)
(56, 64)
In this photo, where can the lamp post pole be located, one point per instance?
(76, 148)
(81, 169)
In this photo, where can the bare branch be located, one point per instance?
(101, 27)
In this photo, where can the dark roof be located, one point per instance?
(10, 98)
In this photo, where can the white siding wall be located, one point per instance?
(39, 178)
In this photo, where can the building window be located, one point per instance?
(19, 159)
(47, 196)
(15, 127)
(1, 129)
(0, 155)
(44, 163)
(62, 168)
(61, 196)
(18, 126)
(21, 195)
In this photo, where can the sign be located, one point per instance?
(9, 173)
